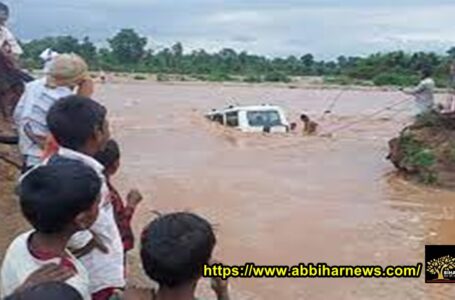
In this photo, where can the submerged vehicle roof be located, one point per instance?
(233, 108)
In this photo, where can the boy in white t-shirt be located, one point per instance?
(58, 201)
(81, 129)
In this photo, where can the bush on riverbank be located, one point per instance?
(277, 77)
(391, 79)
(425, 150)
(253, 78)
(140, 77)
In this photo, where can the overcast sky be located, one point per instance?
(326, 28)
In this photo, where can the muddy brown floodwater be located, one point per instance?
(283, 199)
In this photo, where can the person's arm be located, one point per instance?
(221, 288)
(87, 249)
(37, 139)
(417, 90)
(86, 88)
(14, 49)
(407, 92)
(48, 273)
(133, 199)
(84, 242)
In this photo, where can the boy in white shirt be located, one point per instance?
(58, 201)
(80, 127)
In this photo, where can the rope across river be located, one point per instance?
(332, 104)
(369, 116)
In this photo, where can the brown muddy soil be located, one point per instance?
(12, 222)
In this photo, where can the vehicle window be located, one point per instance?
(267, 118)
(232, 119)
(218, 118)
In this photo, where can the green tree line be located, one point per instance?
(127, 52)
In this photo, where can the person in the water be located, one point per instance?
(309, 127)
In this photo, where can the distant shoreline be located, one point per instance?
(298, 83)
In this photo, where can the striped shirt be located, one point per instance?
(31, 111)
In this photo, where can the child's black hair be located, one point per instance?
(175, 248)
(74, 119)
(109, 155)
(4, 8)
(47, 291)
(426, 71)
(52, 196)
(304, 118)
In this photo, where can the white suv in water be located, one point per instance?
(263, 118)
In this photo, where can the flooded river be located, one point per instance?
(283, 200)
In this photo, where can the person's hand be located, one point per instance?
(133, 198)
(40, 141)
(7, 49)
(13, 59)
(48, 273)
(219, 286)
(95, 243)
(86, 88)
(98, 243)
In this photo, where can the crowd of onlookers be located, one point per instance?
(82, 232)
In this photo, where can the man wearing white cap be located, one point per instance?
(68, 74)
